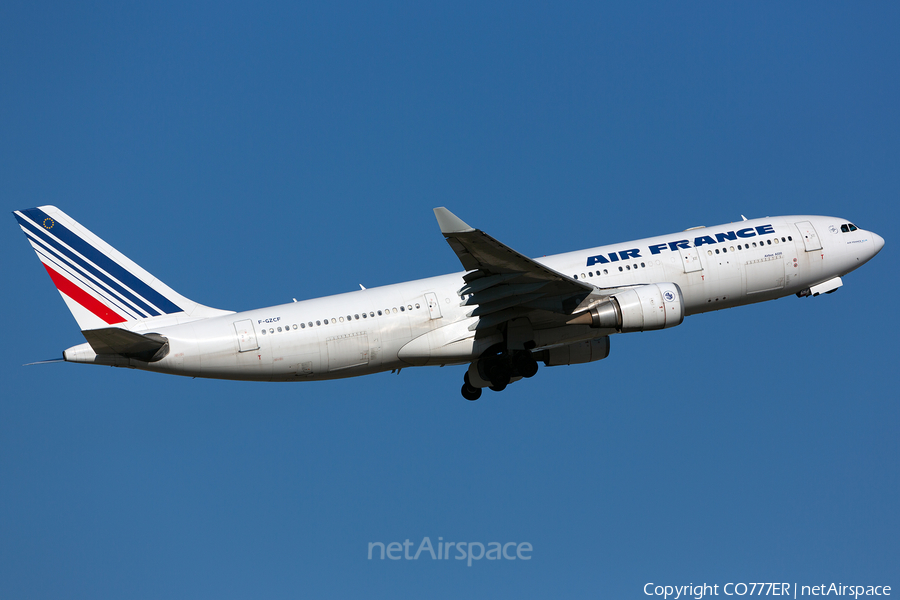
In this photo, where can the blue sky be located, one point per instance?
(247, 154)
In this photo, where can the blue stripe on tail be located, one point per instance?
(110, 286)
(46, 224)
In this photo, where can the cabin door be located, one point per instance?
(690, 260)
(434, 309)
(810, 239)
(246, 336)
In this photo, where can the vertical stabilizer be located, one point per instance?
(99, 284)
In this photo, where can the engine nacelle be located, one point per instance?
(645, 308)
(573, 354)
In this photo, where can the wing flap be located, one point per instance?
(500, 292)
(485, 282)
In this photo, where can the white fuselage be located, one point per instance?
(422, 322)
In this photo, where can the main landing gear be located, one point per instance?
(468, 391)
(497, 372)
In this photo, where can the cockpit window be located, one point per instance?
(845, 228)
(852, 227)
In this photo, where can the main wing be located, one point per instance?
(505, 284)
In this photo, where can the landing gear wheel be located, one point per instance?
(525, 365)
(499, 375)
(531, 370)
(470, 393)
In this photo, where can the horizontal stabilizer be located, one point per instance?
(148, 347)
(45, 362)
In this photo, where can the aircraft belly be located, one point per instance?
(221, 359)
(210, 349)
(453, 343)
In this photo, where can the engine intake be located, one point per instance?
(645, 308)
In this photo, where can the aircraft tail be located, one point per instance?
(99, 284)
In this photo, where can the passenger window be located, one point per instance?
(717, 250)
(401, 309)
(318, 322)
(575, 276)
(302, 325)
(709, 252)
(769, 242)
(395, 310)
(732, 248)
(264, 332)
(642, 265)
(417, 306)
(783, 240)
(790, 239)
(310, 323)
(365, 315)
(606, 271)
(372, 314)
(628, 267)
(620, 269)
(776, 240)
(379, 313)
(272, 330)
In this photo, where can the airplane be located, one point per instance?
(502, 316)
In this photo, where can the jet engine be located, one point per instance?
(644, 308)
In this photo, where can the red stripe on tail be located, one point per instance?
(83, 298)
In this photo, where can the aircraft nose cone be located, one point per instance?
(879, 242)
